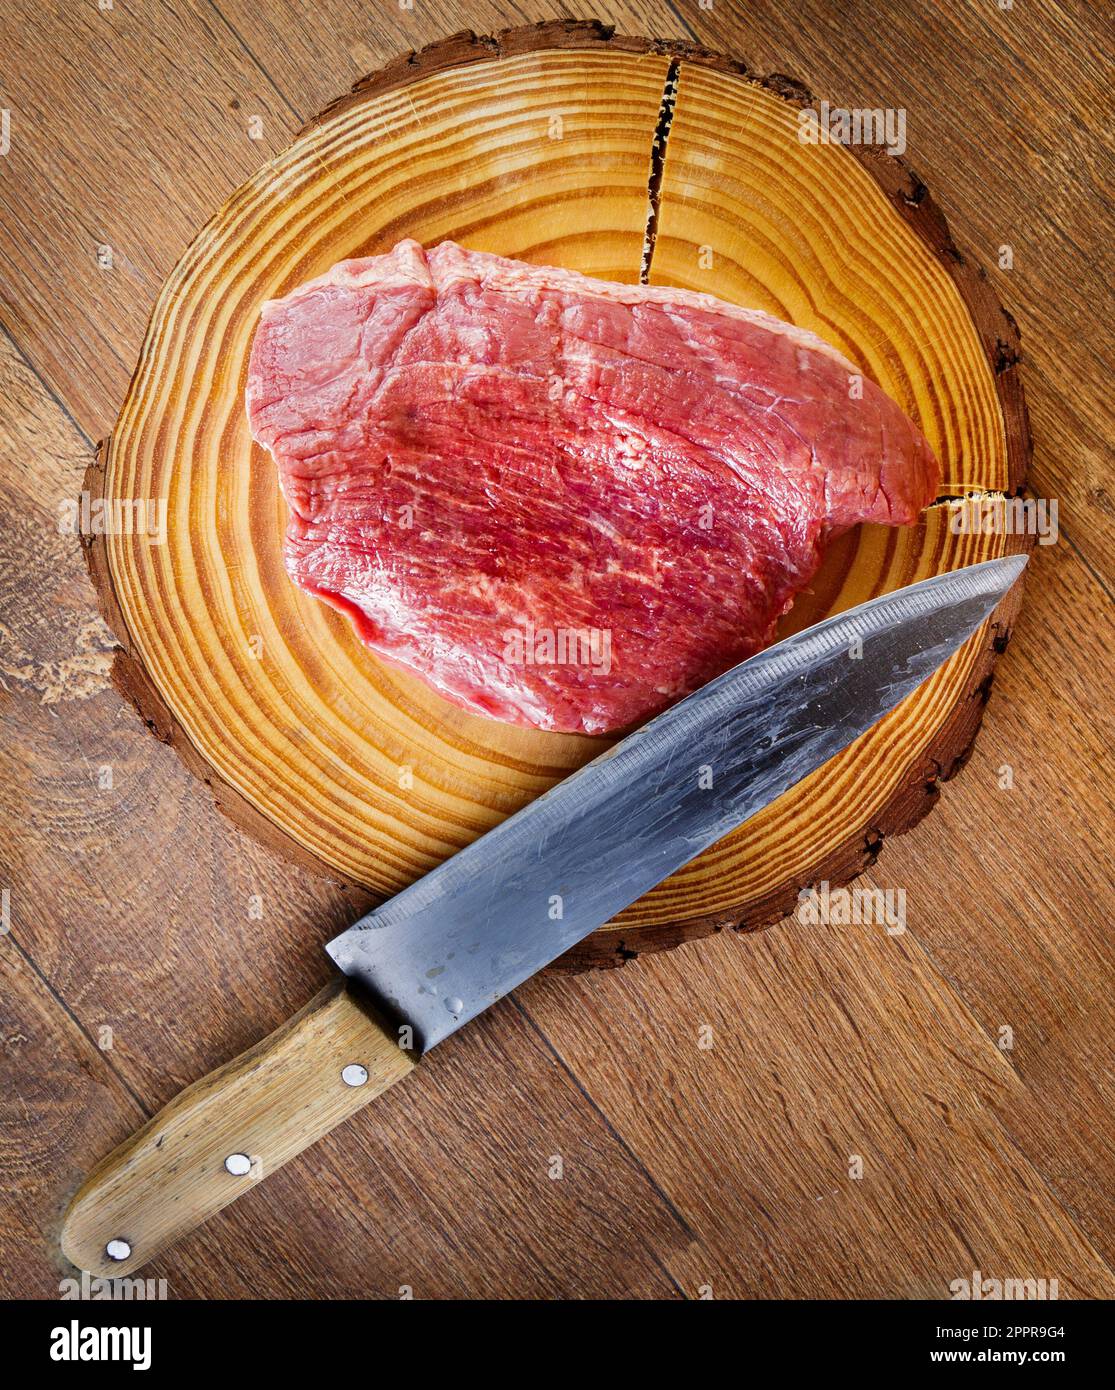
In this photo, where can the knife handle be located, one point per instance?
(225, 1133)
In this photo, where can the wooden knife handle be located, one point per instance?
(257, 1112)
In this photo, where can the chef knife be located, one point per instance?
(446, 948)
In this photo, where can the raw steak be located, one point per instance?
(562, 502)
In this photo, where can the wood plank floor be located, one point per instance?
(810, 1112)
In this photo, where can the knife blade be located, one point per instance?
(453, 943)
(494, 914)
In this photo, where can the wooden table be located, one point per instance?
(877, 1115)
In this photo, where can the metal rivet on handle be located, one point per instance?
(354, 1074)
(118, 1249)
(238, 1164)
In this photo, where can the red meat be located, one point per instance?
(562, 502)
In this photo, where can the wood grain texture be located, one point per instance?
(846, 242)
(837, 1037)
(262, 1109)
(1019, 172)
(131, 905)
(313, 743)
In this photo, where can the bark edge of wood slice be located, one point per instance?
(357, 771)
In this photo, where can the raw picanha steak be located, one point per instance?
(562, 502)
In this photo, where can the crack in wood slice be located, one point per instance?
(657, 166)
(536, 143)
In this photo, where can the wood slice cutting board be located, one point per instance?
(561, 144)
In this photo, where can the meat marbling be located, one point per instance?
(563, 502)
